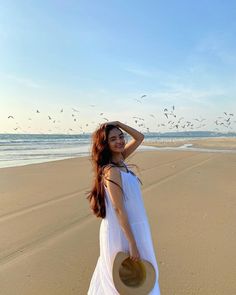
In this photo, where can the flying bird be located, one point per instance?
(10, 117)
(75, 110)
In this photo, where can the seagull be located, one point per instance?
(143, 96)
(38, 111)
(10, 117)
(61, 110)
(49, 118)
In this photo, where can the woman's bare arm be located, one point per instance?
(137, 139)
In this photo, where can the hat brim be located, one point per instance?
(142, 289)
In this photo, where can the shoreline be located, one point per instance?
(212, 143)
(198, 145)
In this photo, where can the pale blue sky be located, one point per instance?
(73, 54)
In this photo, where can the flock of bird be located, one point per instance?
(173, 122)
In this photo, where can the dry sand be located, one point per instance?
(50, 240)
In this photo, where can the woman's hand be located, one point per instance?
(115, 123)
(133, 252)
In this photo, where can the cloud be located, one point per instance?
(182, 94)
(23, 81)
(219, 45)
(139, 72)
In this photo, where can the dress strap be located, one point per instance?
(126, 167)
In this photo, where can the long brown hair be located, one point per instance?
(101, 157)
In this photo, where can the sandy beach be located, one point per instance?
(50, 240)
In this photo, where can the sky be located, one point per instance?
(100, 57)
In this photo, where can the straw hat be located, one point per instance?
(132, 277)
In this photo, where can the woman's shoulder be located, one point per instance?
(111, 173)
(110, 168)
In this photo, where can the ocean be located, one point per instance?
(24, 149)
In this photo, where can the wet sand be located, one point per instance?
(209, 143)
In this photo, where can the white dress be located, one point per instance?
(112, 238)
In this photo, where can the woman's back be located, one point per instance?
(133, 200)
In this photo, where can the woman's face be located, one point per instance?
(116, 140)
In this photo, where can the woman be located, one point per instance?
(116, 197)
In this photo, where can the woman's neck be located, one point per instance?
(117, 159)
(118, 162)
